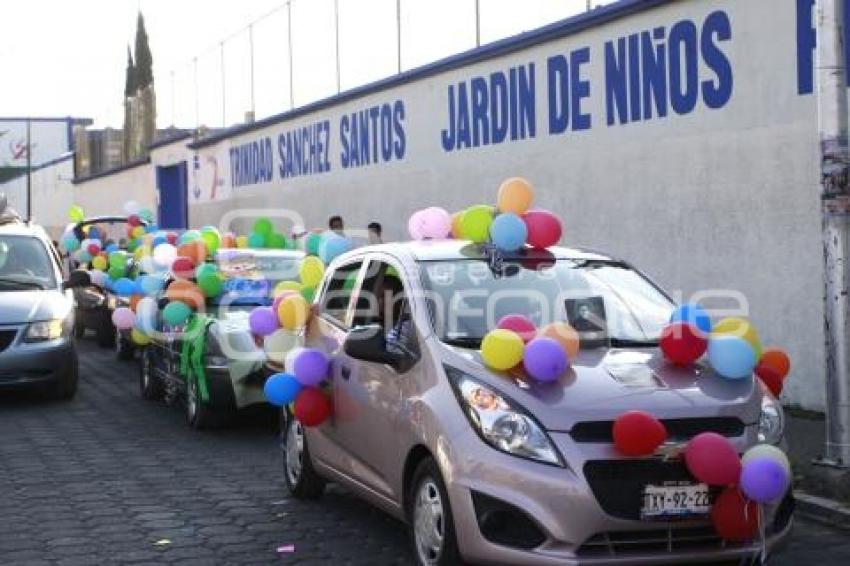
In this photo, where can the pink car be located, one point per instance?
(488, 469)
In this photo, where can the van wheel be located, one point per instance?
(67, 387)
(302, 481)
(150, 386)
(432, 530)
(198, 414)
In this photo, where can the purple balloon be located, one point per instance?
(764, 480)
(263, 321)
(545, 359)
(311, 367)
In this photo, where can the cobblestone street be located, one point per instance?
(110, 478)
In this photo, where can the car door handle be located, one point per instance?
(345, 372)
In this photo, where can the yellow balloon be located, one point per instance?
(99, 263)
(742, 328)
(311, 271)
(457, 231)
(287, 286)
(502, 349)
(138, 231)
(293, 312)
(241, 241)
(515, 195)
(139, 338)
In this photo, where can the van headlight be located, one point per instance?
(502, 423)
(771, 421)
(45, 330)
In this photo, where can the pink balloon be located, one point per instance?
(712, 459)
(544, 228)
(433, 223)
(520, 324)
(123, 318)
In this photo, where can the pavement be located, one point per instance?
(110, 478)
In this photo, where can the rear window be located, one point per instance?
(25, 264)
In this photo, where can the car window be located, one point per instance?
(337, 294)
(25, 264)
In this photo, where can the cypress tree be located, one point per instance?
(130, 81)
(144, 59)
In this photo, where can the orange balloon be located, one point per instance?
(186, 291)
(196, 251)
(228, 241)
(134, 300)
(777, 360)
(515, 195)
(457, 233)
(565, 334)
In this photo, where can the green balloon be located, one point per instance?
(176, 313)
(475, 223)
(312, 244)
(256, 240)
(212, 239)
(276, 241)
(211, 284)
(308, 293)
(116, 273)
(132, 245)
(118, 259)
(206, 269)
(146, 214)
(263, 226)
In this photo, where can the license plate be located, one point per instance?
(675, 501)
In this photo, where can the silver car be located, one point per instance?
(490, 468)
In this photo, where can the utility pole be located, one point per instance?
(29, 170)
(477, 24)
(835, 214)
(251, 43)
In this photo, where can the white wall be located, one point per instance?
(52, 195)
(107, 195)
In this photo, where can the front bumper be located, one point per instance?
(24, 364)
(574, 528)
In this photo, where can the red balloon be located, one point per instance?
(520, 324)
(134, 220)
(94, 249)
(171, 238)
(637, 433)
(312, 407)
(771, 378)
(735, 519)
(712, 459)
(183, 267)
(544, 228)
(683, 343)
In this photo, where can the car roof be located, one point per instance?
(22, 229)
(443, 250)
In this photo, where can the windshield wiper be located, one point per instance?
(631, 343)
(463, 341)
(22, 283)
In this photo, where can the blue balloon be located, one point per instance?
(112, 248)
(731, 357)
(694, 314)
(281, 389)
(94, 233)
(189, 236)
(151, 228)
(150, 284)
(124, 287)
(508, 232)
(159, 240)
(256, 240)
(70, 243)
(107, 281)
(332, 246)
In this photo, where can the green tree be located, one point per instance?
(130, 87)
(144, 59)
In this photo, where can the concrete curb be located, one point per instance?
(822, 510)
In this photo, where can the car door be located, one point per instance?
(367, 396)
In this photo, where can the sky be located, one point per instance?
(68, 57)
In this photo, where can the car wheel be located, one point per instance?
(123, 347)
(67, 387)
(432, 530)
(302, 481)
(198, 414)
(150, 386)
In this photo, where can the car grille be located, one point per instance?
(6, 338)
(654, 541)
(677, 429)
(618, 484)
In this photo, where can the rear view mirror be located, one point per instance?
(368, 343)
(78, 278)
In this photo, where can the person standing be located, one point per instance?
(375, 233)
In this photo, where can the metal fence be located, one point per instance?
(305, 50)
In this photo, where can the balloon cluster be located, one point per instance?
(510, 226)
(517, 345)
(761, 476)
(306, 369)
(732, 345)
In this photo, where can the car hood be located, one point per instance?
(17, 307)
(603, 384)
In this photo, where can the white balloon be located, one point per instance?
(164, 255)
(97, 277)
(768, 451)
(289, 361)
(278, 344)
(132, 207)
(146, 311)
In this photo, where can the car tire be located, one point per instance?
(198, 414)
(66, 388)
(79, 328)
(301, 478)
(124, 349)
(150, 386)
(429, 513)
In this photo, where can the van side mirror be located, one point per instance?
(78, 278)
(368, 343)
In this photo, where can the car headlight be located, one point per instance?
(771, 421)
(45, 330)
(502, 423)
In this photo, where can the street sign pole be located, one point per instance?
(835, 214)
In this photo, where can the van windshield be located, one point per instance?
(605, 301)
(25, 264)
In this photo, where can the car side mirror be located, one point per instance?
(368, 343)
(78, 278)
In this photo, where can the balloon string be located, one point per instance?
(762, 534)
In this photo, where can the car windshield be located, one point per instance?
(606, 302)
(251, 278)
(25, 264)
